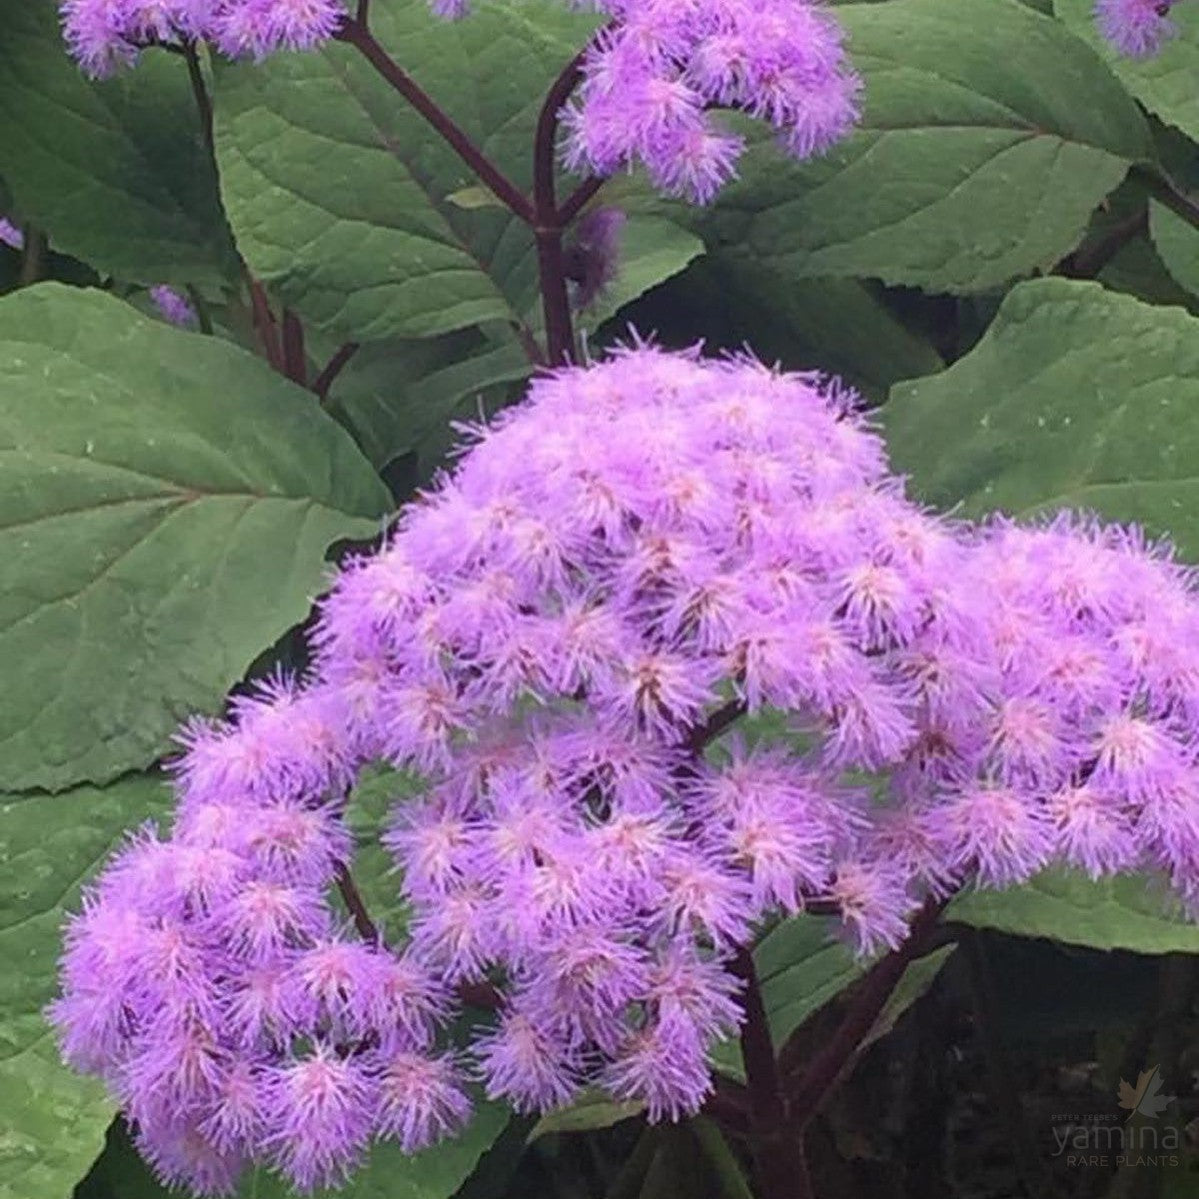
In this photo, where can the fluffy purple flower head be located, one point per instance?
(655, 73)
(173, 306)
(106, 35)
(558, 642)
(1137, 28)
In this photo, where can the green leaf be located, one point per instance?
(368, 814)
(1177, 243)
(989, 135)
(54, 1120)
(399, 396)
(1132, 912)
(592, 1111)
(727, 1171)
(1138, 270)
(119, 1172)
(801, 965)
(1076, 397)
(166, 502)
(917, 979)
(434, 1173)
(115, 172)
(1163, 82)
(678, 1167)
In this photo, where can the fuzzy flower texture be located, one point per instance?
(649, 81)
(671, 657)
(1136, 28)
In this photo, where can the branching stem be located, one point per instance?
(332, 369)
(1163, 189)
(356, 33)
(808, 1088)
(295, 361)
(541, 213)
(548, 223)
(778, 1152)
(575, 202)
(200, 91)
(352, 898)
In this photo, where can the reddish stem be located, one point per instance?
(575, 202)
(548, 225)
(295, 362)
(355, 33)
(332, 369)
(264, 324)
(352, 897)
(778, 1153)
(704, 734)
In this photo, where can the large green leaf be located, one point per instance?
(54, 1120)
(165, 507)
(1163, 82)
(989, 135)
(1076, 397)
(1131, 912)
(1141, 269)
(115, 172)
(392, 236)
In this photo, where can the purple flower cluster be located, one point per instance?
(1137, 28)
(649, 81)
(105, 35)
(655, 73)
(560, 640)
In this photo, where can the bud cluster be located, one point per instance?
(655, 74)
